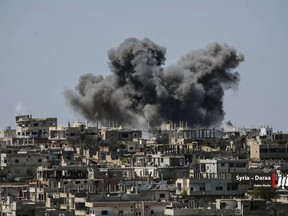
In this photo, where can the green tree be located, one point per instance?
(266, 193)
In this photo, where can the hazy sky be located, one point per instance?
(46, 45)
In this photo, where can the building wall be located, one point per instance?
(28, 127)
(120, 135)
(255, 152)
(126, 208)
(182, 185)
(274, 152)
(207, 166)
(57, 133)
(21, 164)
(209, 187)
(113, 209)
(266, 131)
(230, 166)
(281, 138)
(8, 133)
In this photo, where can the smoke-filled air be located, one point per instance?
(140, 91)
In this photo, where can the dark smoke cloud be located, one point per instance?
(140, 90)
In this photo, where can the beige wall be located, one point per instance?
(255, 151)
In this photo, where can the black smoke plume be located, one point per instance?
(140, 91)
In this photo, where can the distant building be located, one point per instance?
(269, 151)
(22, 163)
(7, 133)
(15, 207)
(280, 138)
(28, 127)
(7, 136)
(266, 132)
(57, 133)
(213, 177)
(120, 134)
(227, 207)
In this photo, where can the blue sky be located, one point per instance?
(46, 45)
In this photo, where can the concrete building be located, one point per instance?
(280, 138)
(161, 161)
(213, 177)
(269, 152)
(7, 137)
(28, 127)
(60, 173)
(212, 186)
(221, 165)
(224, 207)
(125, 204)
(255, 151)
(137, 145)
(266, 132)
(198, 133)
(80, 132)
(7, 133)
(22, 163)
(115, 134)
(16, 207)
(57, 133)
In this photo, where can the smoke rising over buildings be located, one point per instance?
(140, 90)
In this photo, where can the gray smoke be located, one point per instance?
(141, 91)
